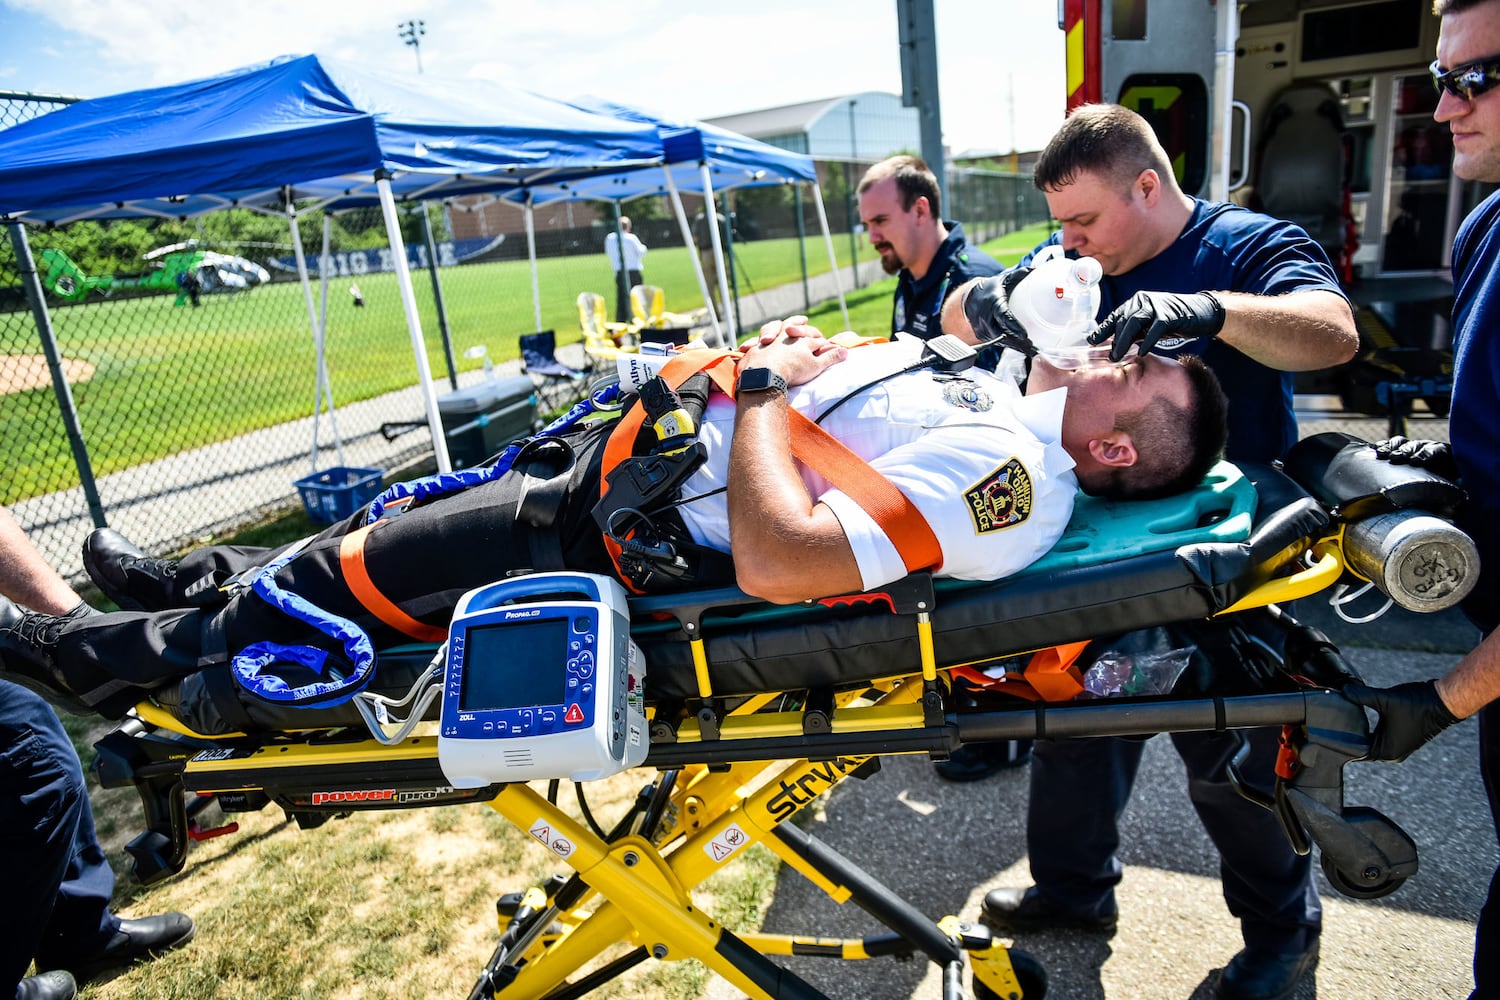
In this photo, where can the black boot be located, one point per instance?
(129, 577)
(27, 639)
(55, 985)
(135, 941)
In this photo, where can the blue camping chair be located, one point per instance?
(558, 386)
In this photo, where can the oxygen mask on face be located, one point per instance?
(1056, 303)
(1083, 356)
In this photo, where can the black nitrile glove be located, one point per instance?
(1148, 318)
(1410, 715)
(987, 308)
(1434, 456)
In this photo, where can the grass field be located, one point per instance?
(167, 379)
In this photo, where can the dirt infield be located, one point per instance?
(19, 372)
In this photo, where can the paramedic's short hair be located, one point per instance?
(1107, 140)
(1176, 447)
(914, 179)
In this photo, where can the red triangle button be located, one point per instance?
(574, 713)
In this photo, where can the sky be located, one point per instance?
(1001, 72)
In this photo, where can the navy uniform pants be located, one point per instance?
(1079, 789)
(58, 883)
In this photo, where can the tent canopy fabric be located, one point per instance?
(320, 127)
(734, 161)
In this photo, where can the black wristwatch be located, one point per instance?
(760, 380)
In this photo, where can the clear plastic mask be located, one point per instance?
(1072, 358)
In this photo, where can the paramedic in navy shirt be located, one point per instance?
(1257, 299)
(900, 208)
(1468, 70)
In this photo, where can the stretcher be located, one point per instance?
(754, 711)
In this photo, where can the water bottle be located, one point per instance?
(1057, 301)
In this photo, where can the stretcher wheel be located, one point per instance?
(1029, 973)
(1359, 888)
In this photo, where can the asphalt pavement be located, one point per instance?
(943, 846)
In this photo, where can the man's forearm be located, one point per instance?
(785, 547)
(1475, 681)
(1303, 331)
(27, 578)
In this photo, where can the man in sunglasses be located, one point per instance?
(1467, 73)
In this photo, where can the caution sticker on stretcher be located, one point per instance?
(729, 840)
(550, 838)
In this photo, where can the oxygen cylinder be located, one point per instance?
(1058, 300)
(1421, 562)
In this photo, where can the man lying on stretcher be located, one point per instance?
(990, 472)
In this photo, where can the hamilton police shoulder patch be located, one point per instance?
(1001, 499)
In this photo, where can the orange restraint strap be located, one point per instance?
(814, 447)
(1051, 675)
(357, 579)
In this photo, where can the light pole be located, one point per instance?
(411, 32)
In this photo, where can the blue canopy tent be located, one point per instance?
(300, 132)
(695, 157)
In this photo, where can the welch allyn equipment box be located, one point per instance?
(542, 680)
(479, 421)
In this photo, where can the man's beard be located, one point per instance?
(891, 263)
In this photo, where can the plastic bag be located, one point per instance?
(1138, 663)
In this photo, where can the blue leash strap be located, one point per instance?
(443, 483)
(249, 665)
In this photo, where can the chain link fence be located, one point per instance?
(173, 401)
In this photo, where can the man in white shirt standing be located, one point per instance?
(630, 276)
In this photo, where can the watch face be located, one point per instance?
(760, 379)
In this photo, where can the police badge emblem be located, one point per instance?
(962, 392)
(1001, 499)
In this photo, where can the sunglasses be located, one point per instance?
(1468, 81)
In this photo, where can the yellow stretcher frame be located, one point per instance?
(712, 818)
(704, 818)
(734, 769)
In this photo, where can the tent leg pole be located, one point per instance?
(325, 266)
(437, 296)
(833, 261)
(26, 264)
(320, 376)
(413, 321)
(536, 288)
(687, 239)
(802, 248)
(712, 213)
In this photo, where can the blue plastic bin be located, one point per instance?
(336, 493)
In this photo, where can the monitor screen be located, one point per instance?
(514, 665)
